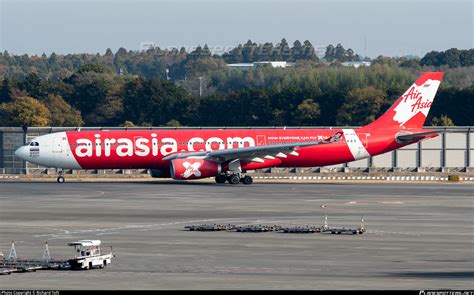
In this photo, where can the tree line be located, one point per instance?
(330, 94)
(179, 64)
(452, 57)
(253, 52)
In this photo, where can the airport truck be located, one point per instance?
(88, 254)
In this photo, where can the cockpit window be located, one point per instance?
(34, 143)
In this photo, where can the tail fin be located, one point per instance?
(411, 109)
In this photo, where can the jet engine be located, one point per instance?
(192, 168)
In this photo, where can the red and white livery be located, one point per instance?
(227, 154)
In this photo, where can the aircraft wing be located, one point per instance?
(414, 136)
(253, 154)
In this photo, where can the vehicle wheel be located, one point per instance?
(60, 179)
(247, 180)
(220, 178)
(234, 179)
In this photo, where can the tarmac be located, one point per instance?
(419, 235)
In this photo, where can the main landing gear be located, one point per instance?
(60, 178)
(235, 178)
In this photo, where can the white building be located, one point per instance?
(273, 64)
(356, 64)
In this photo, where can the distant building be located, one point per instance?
(243, 66)
(273, 64)
(356, 64)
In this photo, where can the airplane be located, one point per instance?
(228, 154)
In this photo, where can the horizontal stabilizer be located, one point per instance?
(415, 136)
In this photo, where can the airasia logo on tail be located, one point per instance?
(418, 98)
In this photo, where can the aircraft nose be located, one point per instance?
(21, 152)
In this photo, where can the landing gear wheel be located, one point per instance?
(60, 179)
(247, 179)
(234, 179)
(220, 178)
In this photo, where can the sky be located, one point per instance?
(383, 27)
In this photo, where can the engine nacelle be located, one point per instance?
(193, 168)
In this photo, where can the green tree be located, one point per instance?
(90, 90)
(297, 51)
(128, 124)
(109, 53)
(361, 106)
(308, 51)
(234, 55)
(339, 53)
(330, 54)
(285, 51)
(155, 101)
(248, 51)
(265, 52)
(61, 113)
(94, 67)
(452, 57)
(307, 113)
(442, 121)
(24, 111)
(7, 90)
(33, 85)
(454, 103)
(173, 123)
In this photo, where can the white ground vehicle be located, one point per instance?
(87, 255)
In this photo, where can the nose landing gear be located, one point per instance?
(60, 178)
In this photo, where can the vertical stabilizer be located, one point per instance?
(411, 109)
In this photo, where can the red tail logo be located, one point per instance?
(411, 109)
